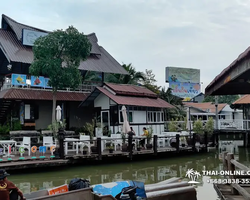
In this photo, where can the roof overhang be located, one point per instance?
(235, 79)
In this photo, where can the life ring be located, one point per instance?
(52, 148)
(33, 149)
(21, 150)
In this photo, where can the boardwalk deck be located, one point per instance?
(30, 162)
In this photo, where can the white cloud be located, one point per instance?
(205, 34)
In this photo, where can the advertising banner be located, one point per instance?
(37, 81)
(46, 80)
(18, 79)
(182, 75)
(185, 90)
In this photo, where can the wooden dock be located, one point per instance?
(239, 188)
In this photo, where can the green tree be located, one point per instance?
(228, 99)
(198, 127)
(58, 56)
(209, 126)
(133, 77)
(150, 82)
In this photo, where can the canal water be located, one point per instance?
(146, 171)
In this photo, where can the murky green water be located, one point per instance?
(146, 171)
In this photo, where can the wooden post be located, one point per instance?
(61, 143)
(130, 147)
(193, 142)
(155, 143)
(177, 143)
(205, 141)
(99, 148)
(224, 160)
(231, 168)
(245, 139)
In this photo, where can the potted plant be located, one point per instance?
(111, 148)
(138, 146)
(85, 150)
(124, 144)
(149, 138)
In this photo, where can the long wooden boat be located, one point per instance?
(173, 188)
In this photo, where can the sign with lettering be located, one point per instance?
(185, 90)
(58, 190)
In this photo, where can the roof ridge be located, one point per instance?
(5, 16)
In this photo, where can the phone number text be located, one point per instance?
(229, 181)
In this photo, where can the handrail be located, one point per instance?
(230, 164)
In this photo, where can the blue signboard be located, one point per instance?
(18, 79)
(46, 80)
(37, 81)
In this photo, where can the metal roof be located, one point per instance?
(11, 44)
(36, 94)
(126, 99)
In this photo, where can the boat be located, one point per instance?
(173, 188)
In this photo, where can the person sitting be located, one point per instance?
(8, 189)
(145, 133)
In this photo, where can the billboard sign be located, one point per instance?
(29, 36)
(182, 75)
(185, 90)
(18, 79)
(37, 81)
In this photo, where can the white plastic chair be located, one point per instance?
(25, 143)
(48, 141)
(84, 141)
(117, 141)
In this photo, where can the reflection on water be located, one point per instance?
(146, 171)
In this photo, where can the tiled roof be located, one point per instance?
(11, 44)
(206, 106)
(136, 101)
(243, 100)
(130, 90)
(34, 94)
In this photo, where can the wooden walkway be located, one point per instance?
(30, 162)
(234, 191)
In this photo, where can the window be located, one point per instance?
(155, 116)
(130, 117)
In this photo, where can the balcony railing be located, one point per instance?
(84, 87)
(238, 124)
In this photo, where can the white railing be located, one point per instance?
(81, 88)
(238, 124)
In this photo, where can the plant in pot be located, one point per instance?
(138, 146)
(124, 144)
(111, 148)
(89, 129)
(149, 138)
(198, 129)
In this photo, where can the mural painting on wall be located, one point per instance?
(18, 79)
(37, 81)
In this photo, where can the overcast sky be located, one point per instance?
(150, 34)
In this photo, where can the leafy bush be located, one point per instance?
(198, 126)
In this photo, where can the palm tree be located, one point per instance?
(133, 77)
(190, 174)
(196, 175)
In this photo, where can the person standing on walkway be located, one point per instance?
(8, 190)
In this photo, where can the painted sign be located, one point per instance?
(185, 90)
(18, 79)
(37, 81)
(46, 81)
(182, 75)
(29, 36)
(58, 190)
